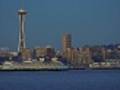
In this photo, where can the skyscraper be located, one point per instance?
(67, 47)
(21, 43)
(66, 41)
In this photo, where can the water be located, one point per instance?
(61, 80)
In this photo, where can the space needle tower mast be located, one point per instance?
(21, 43)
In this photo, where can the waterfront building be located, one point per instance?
(25, 54)
(86, 55)
(5, 54)
(81, 57)
(21, 43)
(98, 53)
(103, 52)
(78, 57)
(4, 50)
(50, 51)
(40, 51)
(68, 54)
(14, 53)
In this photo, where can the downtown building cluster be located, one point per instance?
(97, 56)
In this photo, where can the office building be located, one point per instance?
(66, 41)
(40, 51)
(25, 54)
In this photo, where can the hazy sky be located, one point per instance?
(88, 21)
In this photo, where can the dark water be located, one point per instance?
(61, 80)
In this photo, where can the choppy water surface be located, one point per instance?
(61, 80)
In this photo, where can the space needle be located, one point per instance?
(21, 43)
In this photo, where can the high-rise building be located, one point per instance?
(66, 41)
(21, 43)
(67, 47)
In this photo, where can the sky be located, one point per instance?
(90, 22)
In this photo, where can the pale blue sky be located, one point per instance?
(90, 22)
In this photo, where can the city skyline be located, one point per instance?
(89, 23)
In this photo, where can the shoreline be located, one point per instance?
(51, 69)
(59, 69)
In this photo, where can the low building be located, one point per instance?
(25, 54)
(40, 51)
